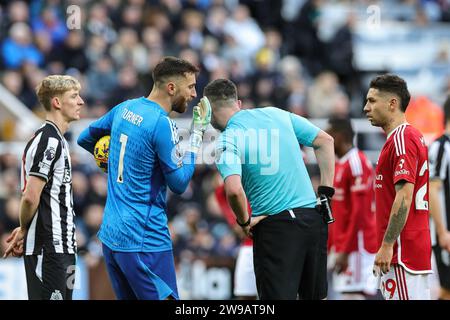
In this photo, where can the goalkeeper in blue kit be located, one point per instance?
(145, 158)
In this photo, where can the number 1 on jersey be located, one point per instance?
(123, 145)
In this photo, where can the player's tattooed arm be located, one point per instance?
(399, 212)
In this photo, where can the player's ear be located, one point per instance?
(392, 104)
(55, 102)
(171, 88)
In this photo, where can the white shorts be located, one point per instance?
(358, 277)
(399, 284)
(244, 273)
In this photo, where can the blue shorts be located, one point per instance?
(141, 275)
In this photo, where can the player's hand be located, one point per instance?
(341, 263)
(15, 241)
(383, 257)
(444, 240)
(324, 203)
(18, 249)
(201, 115)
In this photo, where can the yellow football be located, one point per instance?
(101, 153)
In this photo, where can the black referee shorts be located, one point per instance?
(443, 265)
(288, 255)
(50, 276)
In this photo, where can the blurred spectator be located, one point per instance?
(97, 193)
(304, 33)
(215, 22)
(325, 98)
(131, 17)
(9, 213)
(50, 23)
(80, 183)
(100, 24)
(93, 219)
(156, 17)
(128, 51)
(101, 80)
(72, 52)
(340, 56)
(152, 39)
(244, 30)
(193, 23)
(17, 12)
(128, 86)
(19, 47)
(10, 184)
(97, 48)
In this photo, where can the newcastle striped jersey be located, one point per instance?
(52, 228)
(439, 156)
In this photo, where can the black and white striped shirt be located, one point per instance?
(439, 157)
(52, 228)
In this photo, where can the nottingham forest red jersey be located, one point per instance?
(405, 157)
(354, 228)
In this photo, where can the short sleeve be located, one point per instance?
(167, 145)
(405, 157)
(228, 157)
(43, 158)
(304, 130)
(437, 161)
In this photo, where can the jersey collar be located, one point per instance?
(398, 127)
(347, 155)
(55, 126)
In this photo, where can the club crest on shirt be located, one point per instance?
(56, 295)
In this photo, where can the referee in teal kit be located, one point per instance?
(259, 157)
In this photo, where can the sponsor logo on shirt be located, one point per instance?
(379, 177)
(44, 165)
(401, 172)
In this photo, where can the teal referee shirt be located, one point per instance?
(262, 146)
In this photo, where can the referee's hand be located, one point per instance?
(15, 241)
(253, 222)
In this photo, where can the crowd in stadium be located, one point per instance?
(272, 50)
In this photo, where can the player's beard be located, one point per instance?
(180, 104)
(216, 125)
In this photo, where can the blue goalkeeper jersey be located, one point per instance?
(262, 146)
(144, 158)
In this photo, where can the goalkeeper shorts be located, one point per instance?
(141, 275)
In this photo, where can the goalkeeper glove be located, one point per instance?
(324, 203)
(201, 117)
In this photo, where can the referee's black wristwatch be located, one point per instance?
(246, 223)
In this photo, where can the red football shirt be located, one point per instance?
(405, 157)
(354, 228)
